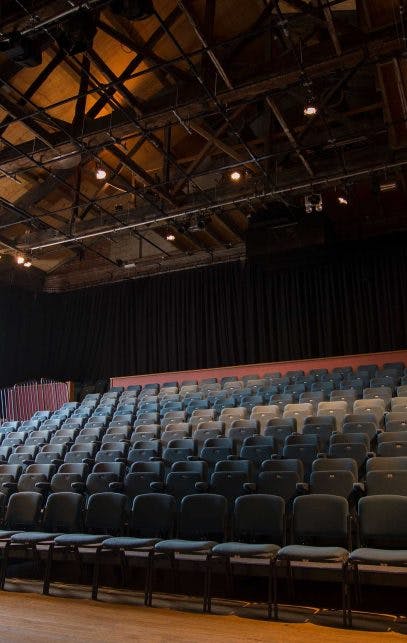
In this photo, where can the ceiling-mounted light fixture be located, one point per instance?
(27, 264)
(100, 173)
(170, 236)
(20, 260)
(197, 223)
(388, 186)
(133, 9)
(235, 176)
(22, 50)
(313, 202)
(310, 108)
(343, 199)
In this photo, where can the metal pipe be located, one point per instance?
(234, 202)
(60, 17)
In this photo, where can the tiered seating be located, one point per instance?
(339, 434)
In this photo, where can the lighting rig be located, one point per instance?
(73, 30)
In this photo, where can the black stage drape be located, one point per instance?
(344, 303)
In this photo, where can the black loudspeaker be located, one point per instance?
(278, 231)
(133, 9)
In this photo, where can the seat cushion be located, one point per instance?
(367, 555)
(317, 554)
(246, 549)
(80, 539)
(5, 534)
(185, 546)
(32, 537)
(129, 543)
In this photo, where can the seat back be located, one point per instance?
(259, 518)
(153, 516)
(386, 483)
(105, 513)
(383, 521)
(203, 516)
(337, 483)
(23, 510)
(278, 483)
(320, 520)
(285, 464)
(392, 449)
(386, 464)
(64, 512)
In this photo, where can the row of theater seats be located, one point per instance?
(85, 455)
(103, 528)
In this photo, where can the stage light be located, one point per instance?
(313, 202)
(343, 200)
(133, 9)
(170, 236)
(197, 223)
(388, 187)
(310, 108)
(20, 260)
(22, 50)
(27, 264)
(101, 173)
(235, 176)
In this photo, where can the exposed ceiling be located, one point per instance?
(168, 106)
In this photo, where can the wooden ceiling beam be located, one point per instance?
(172, 71)
(157, 116)
(137, 60)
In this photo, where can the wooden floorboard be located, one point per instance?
(68, 615)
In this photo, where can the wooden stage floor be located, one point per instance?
(68, 615)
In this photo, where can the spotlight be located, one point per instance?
(235, 176)
(197, 223)
(27, 264)
(310, 108)
(313, 202)
(170, 236)
(133, 9)
(388, 187)
(20, 260)
(101, 173)
(343, 200)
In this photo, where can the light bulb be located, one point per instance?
(101, 174)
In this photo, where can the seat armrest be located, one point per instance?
(194, 458)
(28, 462)
(276, 456)
(201, 486)
(249, 487)
(57, 462)
(302, 487)
(371, 454)
(158, 487)
(121, 460)
(88, 461)
(155, 458)
(12, 486)
(359, 487)
(233, 457)
(321, 455)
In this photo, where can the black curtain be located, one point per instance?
(218, 316)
